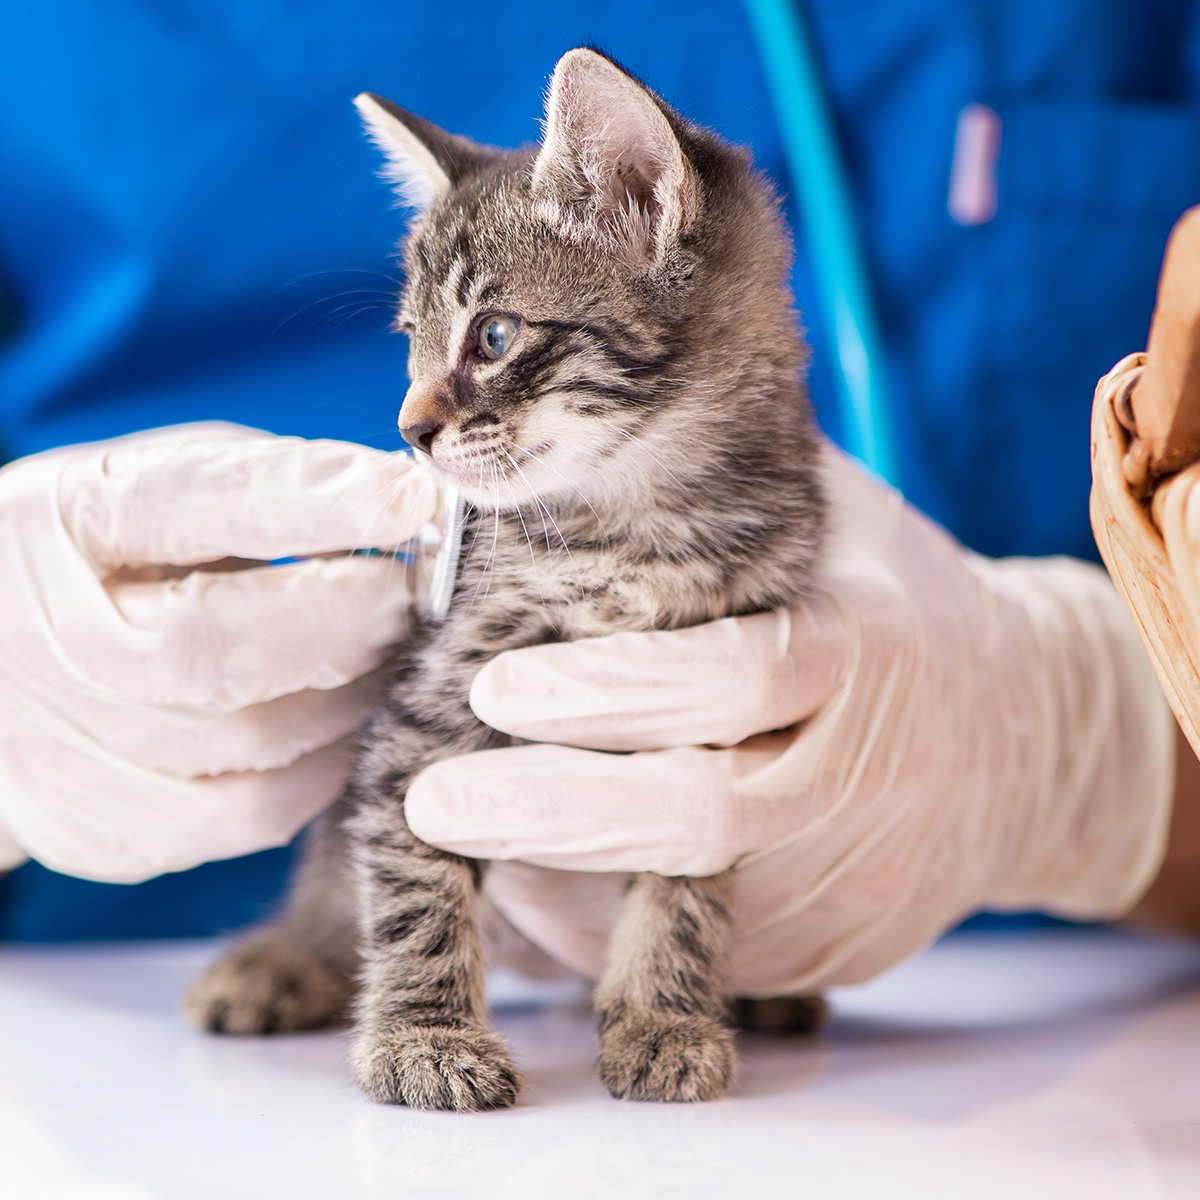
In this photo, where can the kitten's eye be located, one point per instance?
(496, 336)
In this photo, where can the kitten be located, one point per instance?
(605, 363)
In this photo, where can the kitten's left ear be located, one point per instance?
(423, 161)
(610, 147)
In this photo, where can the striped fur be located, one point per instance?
(641, 457)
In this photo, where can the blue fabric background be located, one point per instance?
(191, 228)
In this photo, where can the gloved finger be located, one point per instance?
(191, 742)
(151, 823)
(229, 640)
(795, 921)
(713, 684)
(688, 811)
(193, 495)
(798, 910)
(570, 915)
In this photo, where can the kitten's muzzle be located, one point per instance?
(422, 416)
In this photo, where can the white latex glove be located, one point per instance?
(152, 718)
(952, 733)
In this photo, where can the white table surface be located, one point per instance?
(1057, 1064)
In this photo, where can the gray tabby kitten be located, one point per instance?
(605, 362)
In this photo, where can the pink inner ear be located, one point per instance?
(632, 186)
(623, 140)
(603, 126)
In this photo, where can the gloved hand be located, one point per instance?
(950, 733)
(152, 718)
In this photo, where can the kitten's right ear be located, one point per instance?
(423, 162)
(612, 153)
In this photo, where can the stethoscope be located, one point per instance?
(834, 247)
(844, 291)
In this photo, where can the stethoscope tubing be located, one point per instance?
(829, 229)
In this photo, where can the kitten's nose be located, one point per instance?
(420, 436)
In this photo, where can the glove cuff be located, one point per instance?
(1096, 828)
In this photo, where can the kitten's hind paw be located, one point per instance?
(780, 1016)
(267, 987)
(460, 1069)
(666, 1056)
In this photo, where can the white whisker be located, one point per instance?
(543, 511)
(573, 486)
(654, 457)
(486, 571)
(528, 540)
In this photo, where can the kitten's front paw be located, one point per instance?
(266, 987)
(436, 1066)
(666, 1057)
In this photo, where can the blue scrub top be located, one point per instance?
(191, 228)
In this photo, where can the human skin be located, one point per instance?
(1172, 903)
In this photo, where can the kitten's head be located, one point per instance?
(582, 311)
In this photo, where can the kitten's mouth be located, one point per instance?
(478, 471)
(496, 473)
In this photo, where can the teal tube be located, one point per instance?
(834, 247)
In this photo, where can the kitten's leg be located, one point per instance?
(662, 1033)
(421, 1038)
(296, 973)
